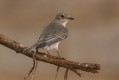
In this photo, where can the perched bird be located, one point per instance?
(53, 33)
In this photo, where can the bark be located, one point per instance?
(71, 65)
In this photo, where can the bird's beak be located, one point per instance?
(70, 18)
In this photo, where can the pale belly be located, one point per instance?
(53, 46)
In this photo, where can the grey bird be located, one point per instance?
(53, 33)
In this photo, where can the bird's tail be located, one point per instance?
(33, 46)
(30, 48)
(37, 46)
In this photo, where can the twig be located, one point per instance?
(57, 72)
(33, 69)
(73, 66)
(66, 74)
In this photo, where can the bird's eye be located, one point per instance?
(62, 16)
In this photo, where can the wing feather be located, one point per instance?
(56, 37)
(53, 33)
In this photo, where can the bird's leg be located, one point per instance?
(48, 52)
(58, 53)
(37, 49)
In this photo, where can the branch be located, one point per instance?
(73, 66)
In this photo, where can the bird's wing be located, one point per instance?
(52, 34)
(56, 37)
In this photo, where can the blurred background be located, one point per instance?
(93, 36)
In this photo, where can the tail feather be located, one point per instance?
(36, 45)
(33, 46)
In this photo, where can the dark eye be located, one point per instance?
(62, 16)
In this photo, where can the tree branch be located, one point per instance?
(73, 66)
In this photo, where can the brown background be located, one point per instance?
(93, 36)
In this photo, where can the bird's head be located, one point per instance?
(63, 18)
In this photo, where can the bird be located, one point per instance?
(53, 34)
